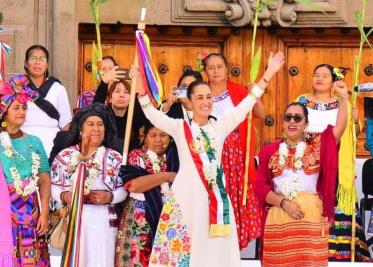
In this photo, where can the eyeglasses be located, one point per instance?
(297, 117)
(35, 59)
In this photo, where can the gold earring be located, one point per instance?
(4, 124)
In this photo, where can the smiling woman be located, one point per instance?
(89, 142)
(197, 223)
(25, 174)
(295, 185)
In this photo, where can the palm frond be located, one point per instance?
(255, 65)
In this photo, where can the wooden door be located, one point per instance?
(169, 60)
(174, 48)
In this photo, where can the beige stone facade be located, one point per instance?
(54, 23)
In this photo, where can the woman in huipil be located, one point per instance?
(24, 203)
(147, 178)
(89, 142)
(322, 105)
(197, 225)
(226, 95)
(295, 183)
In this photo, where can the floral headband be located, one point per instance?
(338, 74)
(16, 89)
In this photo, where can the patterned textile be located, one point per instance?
(294, 243)
(31, 249)
(340, 239)
(319, 106)
(61, 174)
(248, 217)
(134, 240)
(172, 242)
(133, 236)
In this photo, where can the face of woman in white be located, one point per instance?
(216, 69)
(37, 63)
(16, 114)
(157, 141)
(294, 123)
(120, 97)
(322, 80)
(200, 101)
(93, 131)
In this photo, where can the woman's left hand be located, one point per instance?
(341, 89)
(275, 62)
(43, 224)
(100, 197)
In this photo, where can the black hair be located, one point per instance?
(191, 87)
(329, 67)
(206, 59)
(147, 127)
(190, 73)
(295, 104)
(110, 58)
(28, 55)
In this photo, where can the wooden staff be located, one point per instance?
(127, 136)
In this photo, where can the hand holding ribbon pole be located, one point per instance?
(127, 136)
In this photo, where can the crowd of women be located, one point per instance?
(178, 200)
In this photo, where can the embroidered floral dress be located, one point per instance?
(30, 248)
(189, 242)
(134, 242)
(99, 225)
(248, 215)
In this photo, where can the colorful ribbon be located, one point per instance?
(153, 83)
(4, 49)
(70, 256)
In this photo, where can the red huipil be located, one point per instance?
(248, 217)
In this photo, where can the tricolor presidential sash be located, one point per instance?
(218, 198)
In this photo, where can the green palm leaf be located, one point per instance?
(255, 65)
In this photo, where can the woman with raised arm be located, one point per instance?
(296, 183)
(226, 95)
(197, 225)
(323, 104)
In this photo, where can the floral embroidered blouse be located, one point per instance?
(61, 173)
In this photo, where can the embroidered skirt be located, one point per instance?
(133, 245)
(293, 243)
(248, 217)
(30, 248)
(340, 239)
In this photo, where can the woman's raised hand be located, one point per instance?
(135, 75)
(113, 75)
(340, 88)
(275, 62)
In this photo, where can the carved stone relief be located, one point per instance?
(285, 13)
